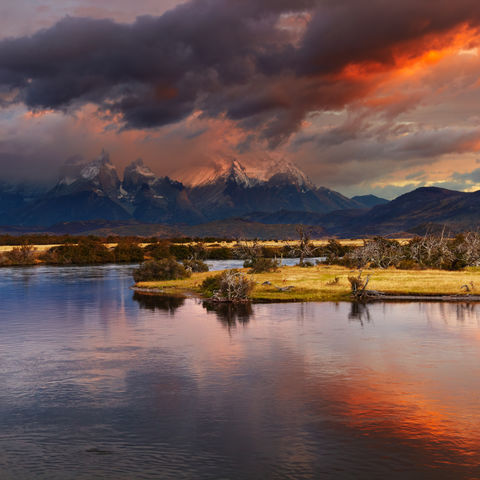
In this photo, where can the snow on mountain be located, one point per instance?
(139, 168)
(247, 175)
(137, 174)
(282, 172)
(216, 172)
(99, 174)
(95, 167)
(237, 174)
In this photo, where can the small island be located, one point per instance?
(331, 283)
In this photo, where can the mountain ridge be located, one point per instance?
(86, 191)
(93, 191)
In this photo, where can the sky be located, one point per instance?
(366, 96)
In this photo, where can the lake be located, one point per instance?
(100, 383)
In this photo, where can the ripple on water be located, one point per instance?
(98, 383)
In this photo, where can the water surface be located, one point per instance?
(97, 382)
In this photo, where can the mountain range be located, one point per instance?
(87, 194)
(94, 191)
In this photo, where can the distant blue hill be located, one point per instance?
(369, 201)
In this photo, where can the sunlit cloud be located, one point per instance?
(357, 105)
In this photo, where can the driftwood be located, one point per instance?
(284, 289)
(372, 295)
(280, 289)
(359, 287)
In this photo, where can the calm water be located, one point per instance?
(97, 383)
(224, 264)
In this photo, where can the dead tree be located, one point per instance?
(359, 286)
(234, 287)
(248, 250)
(305, 247)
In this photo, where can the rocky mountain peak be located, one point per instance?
(238, 175)
(285, 172)
(136, 175)
(99, 175)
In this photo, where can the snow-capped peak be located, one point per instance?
(287, 172)
(220, 171)
(100, 173)
(136, 175)
(238, 174)
(249, 174)
(139, 168)
(93, 169)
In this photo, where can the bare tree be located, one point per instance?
(234, 287)
(248, 250)
(305, 247)
(358, 285)
(379, 252)
(198, 251)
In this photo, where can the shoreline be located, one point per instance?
(327, 283)
(374, 299)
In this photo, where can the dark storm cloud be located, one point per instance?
(355, 31)
(238, 58)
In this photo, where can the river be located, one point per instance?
(99, 383)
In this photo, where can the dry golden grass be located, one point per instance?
(280, 243)
(38, 248)
(317, 283)
(44, 248)
(355, 242)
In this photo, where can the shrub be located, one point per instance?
(165, 269)
(271, 252)
(229, 286)
(88, 251)
(158, 250)
(261, 265)
(180, 252)
(195, 265)
(23, 255)
(335, 249)
(220, 253)
(128, 252)
(408, 265)
(198, 251)
(305, 264)
(211, 285)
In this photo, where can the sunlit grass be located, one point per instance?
(317, 283)
(268, 243)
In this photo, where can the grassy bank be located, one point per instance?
(210, 245)
(318, 283)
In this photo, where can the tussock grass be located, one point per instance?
(315, 283)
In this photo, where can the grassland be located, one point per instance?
(318, 283)
(44, 248)
(354, 242)
(267, 243)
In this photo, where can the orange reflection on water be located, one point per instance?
(373, 389)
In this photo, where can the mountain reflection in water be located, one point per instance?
(100, 383)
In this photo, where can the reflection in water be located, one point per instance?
(466, 311)
(359, 311)
(230, 314)
(159, 302)
(94, 386)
